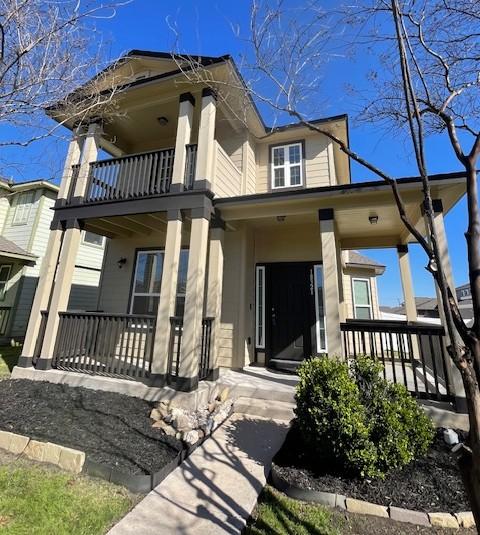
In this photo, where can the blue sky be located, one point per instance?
(206, 29)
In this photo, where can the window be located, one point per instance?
(93, 239)
(23, 207)
(147, 282)
(287, 166)
(260, 308)
(4, 276)
(362, 300)
(319, 309)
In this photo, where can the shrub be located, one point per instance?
(354, 419)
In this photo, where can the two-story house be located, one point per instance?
(25, 217)
(230, 243)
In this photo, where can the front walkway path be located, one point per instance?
(214, 491)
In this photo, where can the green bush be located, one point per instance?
(357, 421)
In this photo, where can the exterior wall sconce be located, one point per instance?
(121, 262)
(162, 121)
(373, 219)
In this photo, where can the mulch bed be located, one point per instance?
(431, 484)
(112, 429)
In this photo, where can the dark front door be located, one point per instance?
(290, 314)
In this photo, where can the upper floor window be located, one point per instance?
(93, 239)
(362, 299)
(23, 208)
(287, 166)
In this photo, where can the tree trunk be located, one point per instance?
(469, 461)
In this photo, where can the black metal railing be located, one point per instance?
(4, 319)
(412, 354)
(176, 333)
(127, 177)
(41, 335)
(117, 345)
(190, 166)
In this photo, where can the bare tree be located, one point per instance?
(429, 82)
(49, 49)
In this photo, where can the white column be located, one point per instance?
(330, 281)
(184, 130)
(73, 157)
(194, 302)
(214, 289)
(61, 290)
(168, 294)
(454, 378)
(89, 154)
(206, 139)
(407, 285)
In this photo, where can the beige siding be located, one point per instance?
(251, 167)
(350, 274)
(4, 206)
(316, 162)
(228, 178)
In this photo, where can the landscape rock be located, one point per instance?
(156, 415)
(443, 520)
(465, 519)
(406, 515)
(166, 428)
(71, 460)
(223, 396)
(191, 437)
(34, 450)
(365, 508)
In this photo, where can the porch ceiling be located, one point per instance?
(352, 206)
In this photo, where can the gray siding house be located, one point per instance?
(25, 217)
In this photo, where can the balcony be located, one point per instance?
(133, 176)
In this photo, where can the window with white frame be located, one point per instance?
(260, 308)
(4, 276)
(147, 282)
(319, 309)
(91, 238)
(287, 166)
(362, 299)
(23, 208)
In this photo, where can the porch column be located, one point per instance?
(61, 290)
(42, 293)
(214, 289)
(206, 141)
(168, 293)
(330, 281)
(184, 129)
(73, 157)
(89, 154)
(407, 286)
(187, 379)
(454, 378)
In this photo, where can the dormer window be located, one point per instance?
(287, 169)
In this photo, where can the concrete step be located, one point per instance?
(277, 410)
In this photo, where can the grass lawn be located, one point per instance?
(276, 514)
(8, 359)
(40, 500)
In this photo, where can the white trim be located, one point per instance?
(286, 165)
(5, 282)
(317, 317)
(25, 208)
(259, 340)
(369, 287)
(143, 294)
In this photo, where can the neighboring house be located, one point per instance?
(230, 243)
(427, 307)
(25, 217)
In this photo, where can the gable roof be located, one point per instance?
(355, 259)
(12, 250)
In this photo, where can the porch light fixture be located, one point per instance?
(281, 218)
(121, 262)
(373, 219)
(162, 121)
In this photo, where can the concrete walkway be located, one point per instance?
(214, 491)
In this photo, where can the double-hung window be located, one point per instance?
(287, 169)
(4, 276)
(362, 299)
(91, 238)
(147, 282)
(23, 207)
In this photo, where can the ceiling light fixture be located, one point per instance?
(373, 219)
(162, 121)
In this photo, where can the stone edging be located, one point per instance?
(444, 520)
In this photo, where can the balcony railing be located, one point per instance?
(117, 345)
(412, 354)
(133, 176)
(176, 334)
